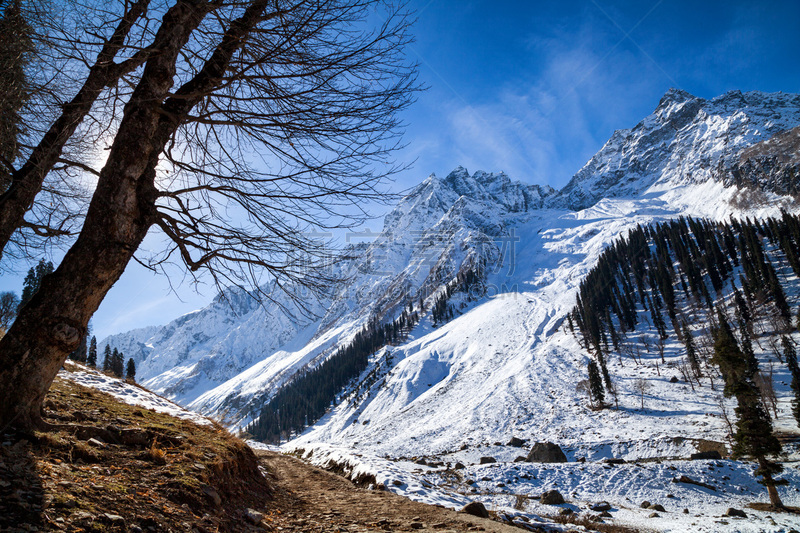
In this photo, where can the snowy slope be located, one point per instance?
(230, 357)
(508, 368)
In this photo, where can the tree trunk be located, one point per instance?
(122, 210)
(772, 490)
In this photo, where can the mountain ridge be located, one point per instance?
(445, 224)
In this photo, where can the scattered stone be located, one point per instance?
(687, 479)
(516, 442)
(421, 461)
(606, 514)
(658, 507)
(614, 461)
(96, 443)
(212, 494)
(566, 512)
(713, 454)
(134, 437)
(416, 525)
(673, 379)
(645, 505)
(476, 509)
(551, 497)
(520, 459)
(488, 460)
(686, 511)
(253, 516)
(486, 478)
(459, 466)
(737, 513)
(653, 515)
(601, 506)
(114, 518)
(546, 452)
(397, 483)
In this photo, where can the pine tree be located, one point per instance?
(16, 47)
(81, 353)
(596, 385)
(691, 351)
(753, 436)
(130, 370)
(790, 354)
(33, 280)
(107, 359)
(91, 357)
(117, 366)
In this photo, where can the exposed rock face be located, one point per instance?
(546, 452)
(771, 165)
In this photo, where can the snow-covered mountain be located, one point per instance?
(440, 228)
(685, 140)
(504, 366)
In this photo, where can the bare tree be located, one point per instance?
(641, 386)
(9, 302)
(282, 119)
(43, 186)
(766, 389)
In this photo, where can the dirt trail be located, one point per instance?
(310, 499)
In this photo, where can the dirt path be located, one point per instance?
(310, 499)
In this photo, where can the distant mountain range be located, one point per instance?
(503, 366)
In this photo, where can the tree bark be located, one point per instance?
(122, 210)
(26, 182)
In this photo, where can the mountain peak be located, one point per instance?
(674, 96)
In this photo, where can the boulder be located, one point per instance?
(600, 507)
(658, 507)
(546, 452)
(712, 454)
(488, 460)
(516, 442)
(551, 497)
(737, 513)
(476, 509)
(459, 466)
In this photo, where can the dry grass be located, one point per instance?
(170, 479)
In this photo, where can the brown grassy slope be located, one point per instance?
(151, 472)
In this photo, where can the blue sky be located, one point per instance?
(535, 89)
